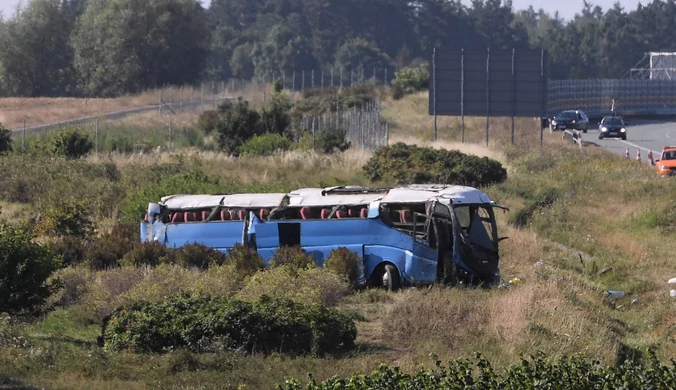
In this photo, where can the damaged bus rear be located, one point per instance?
(412, 235)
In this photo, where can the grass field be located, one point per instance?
(573, 215)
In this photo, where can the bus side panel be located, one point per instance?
(216, 235)
(422, 266)
(375, 255)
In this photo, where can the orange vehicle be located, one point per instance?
(666, 163)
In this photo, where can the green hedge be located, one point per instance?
(571, 373)
(409, 164)
(204, 324)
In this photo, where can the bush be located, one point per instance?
(307, 285)
(24, 269)
(202, 324)
(409, 164)
(332, 140)
(410, 80)
(107, 250)
(538, 372)
(245, 260)
(71, 249)
(149, 254)
(345, 263)
(66, 219)
(5, 140)
(237, 125)
(207, 121)
(275, 117)
(72, 143)
(265, 145)
(197, 255)
(294, 256)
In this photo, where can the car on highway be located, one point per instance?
(612, 126)
(666, 164)
(570, 119)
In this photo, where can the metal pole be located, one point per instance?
(544, 91)
(192, 88)
(213, 94)
(202, 97)
(434, 89)
(171, 141)
(312, 85)
(96, 129)
(332, 77)
(302, 82)
(23, 137)
(513, 91)
(322, 79)
(488, 91)
(462, 94)
(180, 106)
(160, 103)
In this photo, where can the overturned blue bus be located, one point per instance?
(412, 235)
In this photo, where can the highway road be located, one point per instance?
(640, 135)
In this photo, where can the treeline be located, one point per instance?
(110, 47)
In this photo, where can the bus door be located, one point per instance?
(442, 234)
(267, 236)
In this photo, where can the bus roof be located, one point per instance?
(332, 196)
(417, 193)
(180, 202)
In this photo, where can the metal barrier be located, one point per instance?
(573, 135)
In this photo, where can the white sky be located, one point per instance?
(567, 9)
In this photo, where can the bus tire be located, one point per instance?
(390, 278)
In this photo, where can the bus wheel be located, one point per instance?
(390, 278)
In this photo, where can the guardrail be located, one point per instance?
(573, 135)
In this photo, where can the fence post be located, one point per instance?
(171, 140)
(96, 135)
(385, 76)
(302, 83)
(322, 79)
(293, 82)
(23, 136)
(488, 91)
(312, 85)
(544, 91)
(351, 78)
(434, 90)
(202, 97)
(160, 101)
(513, 91)
(332, 77)
(462, 95)
(213, 94)
(192, 88)
(180, 106)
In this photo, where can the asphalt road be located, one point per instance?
(645, 136)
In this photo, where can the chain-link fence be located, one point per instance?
(362, 125)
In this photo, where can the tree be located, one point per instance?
(34, 52)
(284, 50)
(128, 45)
(359, 55)
(237, 124)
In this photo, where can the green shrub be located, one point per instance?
(294, 256)
(319, 101)
(72, 143)
(345, 263)
(149, 254)
(275, 117)
(71, 249)
(538, 372)
(410, 80)
(108, 249)
(305, 285)
(207, 121)
(265, 145)
(237, 125)
(5, 140)
(197, 255)
(332, 140)
(410, 164)
(245, 260)
(66, 219)
(24, 269)
(203, 324)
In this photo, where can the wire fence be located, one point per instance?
(363, 126)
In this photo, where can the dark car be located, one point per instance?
(612, 126)
(571, 119)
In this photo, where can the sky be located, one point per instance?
(567, 8)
